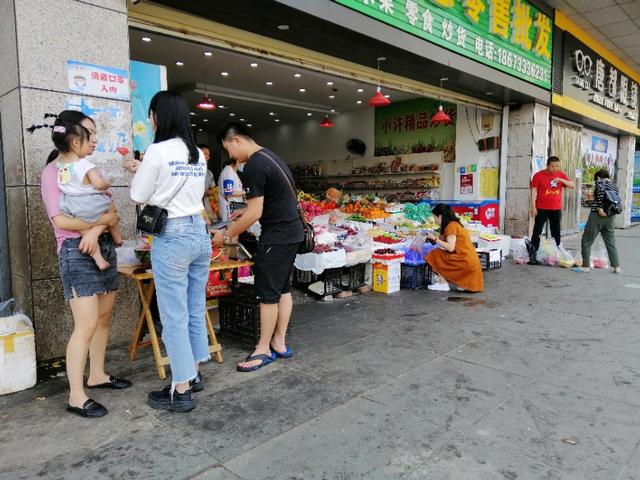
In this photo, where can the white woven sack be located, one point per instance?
(17, 354)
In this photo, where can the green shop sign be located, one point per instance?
(405, 127)
(509, 35)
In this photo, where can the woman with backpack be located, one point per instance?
(601, 221)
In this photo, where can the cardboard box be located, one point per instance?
(386, 277)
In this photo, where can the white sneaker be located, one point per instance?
(439, 287)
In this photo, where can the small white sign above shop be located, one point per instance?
(97, 80)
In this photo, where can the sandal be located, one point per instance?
(288, 353)
(89, 409)
(266, 360)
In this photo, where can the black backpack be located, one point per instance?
(612, 204)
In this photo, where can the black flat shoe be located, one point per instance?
(90, 409)
(178, 402)
(114, 383)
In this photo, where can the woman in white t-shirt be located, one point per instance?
(172, 177)
(229, 190)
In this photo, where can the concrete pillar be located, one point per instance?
(38, 37)
(624, 177)
(528, 137)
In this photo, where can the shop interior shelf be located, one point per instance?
(375, 189)
(380, 174)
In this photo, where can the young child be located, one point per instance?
(84, 192)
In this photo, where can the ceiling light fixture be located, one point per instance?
(359, 102)
(387, 95)
(309, 114)
(272, 114)
(440, 117)
(192, 113)
(253, 65)
(297, 75)
(333, 110)
(379, 100)
(329, 83)
(269, 84)
(179, 63)
(277, 120)
(332, 96)
(193, 124)
(205, 119)
(249, 125)
(221, 107)
(327, 123)
(224, 74)
(232, 114)
(302, 90)
(206, 103)
(146, 39)
(360, 90)
(242, 120)
(208, 53)
(283, 27)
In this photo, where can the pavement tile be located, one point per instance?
(458, 462)
(134, 455)
(520, 353)
(359, 366)
(595, 370)
(360, 439)
(622, 336)
(577, 435)
(230, 422)
(564, 326)
(448, 391)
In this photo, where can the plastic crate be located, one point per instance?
(490, 259)
(302, 279)
(415, 276)
(240, 317)
(353, 277)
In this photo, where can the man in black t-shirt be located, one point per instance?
(271, 199)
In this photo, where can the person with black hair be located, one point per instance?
(546, 200)
(209, 184)
(271, 199)
(90, 291)
(456, 259)
(172, 177)
(600, 223)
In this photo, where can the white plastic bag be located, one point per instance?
(17, 350)
(565, 259)
(599, 256)
(547, 253)
(519, 251)
(126, 253)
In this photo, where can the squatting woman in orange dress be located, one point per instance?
(456, 260)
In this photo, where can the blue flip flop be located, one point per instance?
(266, 360)
(288, 353)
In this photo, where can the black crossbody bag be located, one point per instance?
(153, 219)
(309, 240)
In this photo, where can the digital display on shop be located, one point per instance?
(509, 35)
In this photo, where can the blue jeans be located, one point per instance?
(180, 259)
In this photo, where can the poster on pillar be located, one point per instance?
(112, 121)
(635, 201)
(98, 80)
(405, 127)
(146, 80)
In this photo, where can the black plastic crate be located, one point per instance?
(240, 318)
(485, 260)
(302, 279)
(415, 276)
(331, 278)
(353, 277)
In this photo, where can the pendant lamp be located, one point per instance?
(379, 100)
(327, 123)
(440, 117)
(206, 103)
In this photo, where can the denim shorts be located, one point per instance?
(79, 273)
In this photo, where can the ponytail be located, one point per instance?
(53, 155)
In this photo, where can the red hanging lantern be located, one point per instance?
(379, 100)
(206, 104)
(327, 123)
(440, 117)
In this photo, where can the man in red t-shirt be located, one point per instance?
(546, 199)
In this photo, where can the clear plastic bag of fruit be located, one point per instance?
(599, 256)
